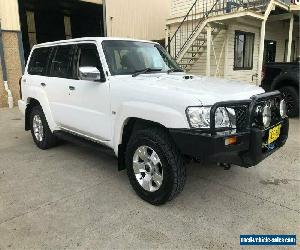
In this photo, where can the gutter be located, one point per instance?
(10, 100)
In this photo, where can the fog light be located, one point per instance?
(282, 108)
(230, 141)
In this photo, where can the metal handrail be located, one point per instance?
(197, 13)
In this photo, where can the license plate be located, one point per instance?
(274, 134)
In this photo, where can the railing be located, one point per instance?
(199, 11)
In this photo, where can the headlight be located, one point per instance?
(282, 109)
(266, 115)
(199, 117)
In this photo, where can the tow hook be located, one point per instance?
(226, 166)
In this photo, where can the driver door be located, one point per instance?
(89, 101)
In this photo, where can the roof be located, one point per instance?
(88, 39)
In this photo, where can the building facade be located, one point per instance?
(232, 39)
(24, 23)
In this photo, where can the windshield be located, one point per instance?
(129, 57)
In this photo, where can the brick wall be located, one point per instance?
(13, 62)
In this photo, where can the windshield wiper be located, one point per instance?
(174, 70)
(146, 70)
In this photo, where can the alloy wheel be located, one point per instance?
(147, 168)
(38, 128)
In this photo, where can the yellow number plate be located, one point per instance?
(274, 134)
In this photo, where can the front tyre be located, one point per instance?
(40, 131)
(155, 167)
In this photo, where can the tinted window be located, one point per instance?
(89, 56)
(38, 61)
(62, 62)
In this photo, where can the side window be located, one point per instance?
(89, 57)
(38, 61)
(62, 64)
(243, 50)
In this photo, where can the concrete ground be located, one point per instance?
(73, 197)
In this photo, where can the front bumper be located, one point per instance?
(251, 145)
(247, 152)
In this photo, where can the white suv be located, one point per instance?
(132, 97)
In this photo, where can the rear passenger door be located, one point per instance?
(61, 73)
(37, 68)
(88, 102)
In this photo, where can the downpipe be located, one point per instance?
(10, 99)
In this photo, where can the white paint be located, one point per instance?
(208, 37)
(261, 50)
(101, 110)
(270, 7)
(291, 27)
(220, 58)
(10, 100)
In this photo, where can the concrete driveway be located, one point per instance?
(74, 197)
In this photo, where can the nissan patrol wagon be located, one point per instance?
(133, 98)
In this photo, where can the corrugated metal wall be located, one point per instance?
(9, 15)
(141, 19)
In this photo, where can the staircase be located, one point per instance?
(190, 40)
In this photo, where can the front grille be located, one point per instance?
(246, 115)
(242, 117)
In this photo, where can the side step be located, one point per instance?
(82, 141)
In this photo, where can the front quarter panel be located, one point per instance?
(165, 116)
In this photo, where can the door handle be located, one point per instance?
(43, 84)
(71, 88)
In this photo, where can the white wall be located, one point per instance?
(219, 44)
(280, 34)
(180, 7)
(241, 75)
(226, 68)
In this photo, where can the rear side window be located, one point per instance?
(62, 64)
(38, 61)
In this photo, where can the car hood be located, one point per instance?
(206, 90)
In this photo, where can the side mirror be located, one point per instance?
(90, 74)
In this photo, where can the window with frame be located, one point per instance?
(62, 64)
(38, 61)
(243, 50)
(128, 57)
(88, 56)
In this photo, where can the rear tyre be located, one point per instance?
(40, 131)
(155, 167)
(291, 97)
